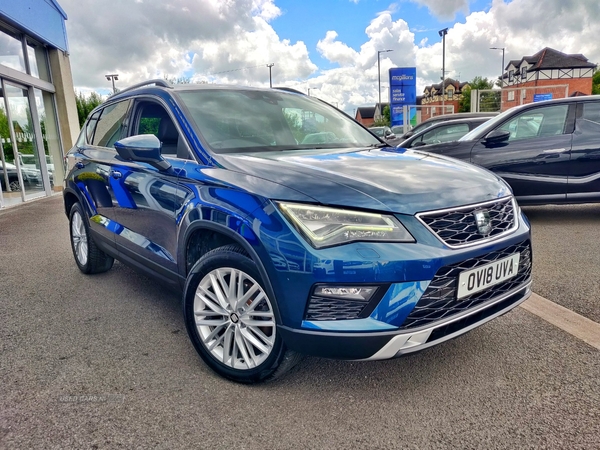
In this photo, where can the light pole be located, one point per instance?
(309, 92)
(502, 72)
(270, 79)
(379, 52)
(443, 34)
(113, 77)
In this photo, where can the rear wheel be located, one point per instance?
(231, 320)
(89, 258)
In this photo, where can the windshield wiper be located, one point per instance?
(380, 145)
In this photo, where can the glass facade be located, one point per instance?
(31, 153)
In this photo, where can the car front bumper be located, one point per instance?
(391, 344)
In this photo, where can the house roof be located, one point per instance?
(447, 82)
(366, 112)
(549, 58)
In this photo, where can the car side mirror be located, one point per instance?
(407, 134)
(496, 136)
(419, 144)
(142, 148)
(390, 136)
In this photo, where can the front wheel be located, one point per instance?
(89, 258)
(231, 320)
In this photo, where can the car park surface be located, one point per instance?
(547, 151)
(111, 366)
(233, 194)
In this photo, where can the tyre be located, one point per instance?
(231, 320)
(88, 257)
(15, 186)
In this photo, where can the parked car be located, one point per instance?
(447, 131)
(345, 248)
(30, 177)
(30, 161)
(443, 118)
(384, 132)
(549, 152)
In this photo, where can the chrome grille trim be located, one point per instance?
(439, 301)
(428, 217)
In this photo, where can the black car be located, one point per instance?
(444, 118)
(549, 152)
(447, 131)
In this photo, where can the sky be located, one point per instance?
(329, 46)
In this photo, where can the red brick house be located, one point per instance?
(432, 98)
(365, 115)
(542, 74)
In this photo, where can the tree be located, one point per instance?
(477, 83)
(178, 80)
(384, 120)
(596, 82)
(85, 105)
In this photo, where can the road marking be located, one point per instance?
(581, 327)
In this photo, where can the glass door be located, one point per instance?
(20, 148)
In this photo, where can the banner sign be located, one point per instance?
(403, 91)
(542, 97)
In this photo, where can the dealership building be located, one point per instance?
(38, 114)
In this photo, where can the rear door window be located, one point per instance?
(111, 125)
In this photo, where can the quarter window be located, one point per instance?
(590, 118)
(111, 124)
(91, 127)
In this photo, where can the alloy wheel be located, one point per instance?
(234, 318)
(79, 237)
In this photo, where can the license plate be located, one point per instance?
(483, 277)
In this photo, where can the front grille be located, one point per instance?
(320, 308)
(439, 300)
(457, 227)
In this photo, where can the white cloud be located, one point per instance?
(209, 40)
(445, 9)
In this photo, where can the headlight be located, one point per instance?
(326, 227)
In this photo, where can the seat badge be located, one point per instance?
(483, 221)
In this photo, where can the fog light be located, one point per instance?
(356, 293)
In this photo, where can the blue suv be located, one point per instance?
(289, 227)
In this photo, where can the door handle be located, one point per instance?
(116, 174)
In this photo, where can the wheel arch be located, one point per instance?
(205, 236)
(69, 199)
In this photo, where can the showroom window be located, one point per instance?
(11, 50)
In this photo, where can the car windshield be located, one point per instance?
(255, 120)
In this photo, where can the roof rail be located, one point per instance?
(156, 82)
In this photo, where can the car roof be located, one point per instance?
(461, 115)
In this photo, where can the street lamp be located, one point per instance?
(502, 72)
(379, 52)
(270, 79)
(113, 77)
(443, 34)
